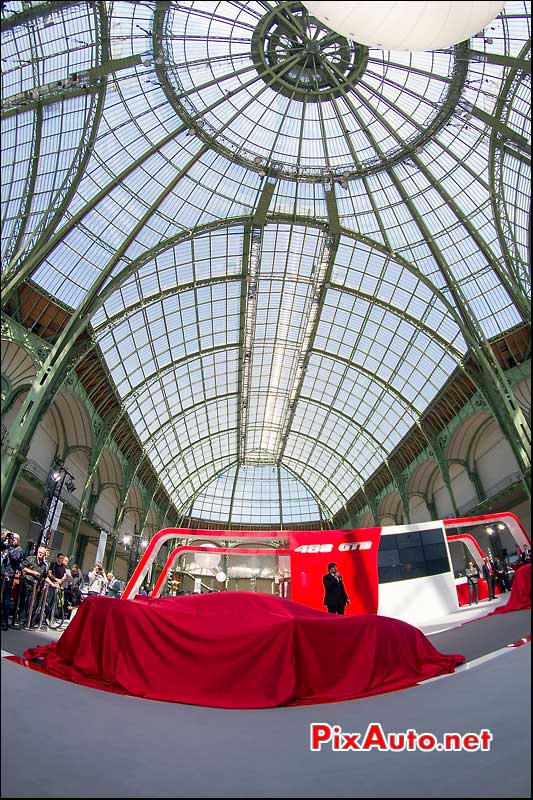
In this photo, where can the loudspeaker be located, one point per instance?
(30, 548)
(35, 530)
(56, 541)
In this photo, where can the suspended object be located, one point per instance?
(405, 25)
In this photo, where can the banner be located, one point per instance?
(356, 554)
(51, 524)
(100, 552)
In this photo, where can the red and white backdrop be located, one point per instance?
(356, 554)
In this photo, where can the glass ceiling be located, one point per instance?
(285, 242)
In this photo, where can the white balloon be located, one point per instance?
(405, 25)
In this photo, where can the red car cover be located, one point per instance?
(520, 598)
(238, 650)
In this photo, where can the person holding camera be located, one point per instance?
(11, 562)
(97, 581)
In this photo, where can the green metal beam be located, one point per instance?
(514, 62)
(33, 12)
(164, 245)
(263, 203)
(332, 243)
(514, 290)
(242, 401)
(385, 385)
(500, 127)
(49, 382)
(49, 99)
(504, 406)
(498, 147)
(14, 277)
(228, 463)
(498, 393)
(57, 364)
(159, 373)
(311, 491)
(154, 436)
(489, 255)
(209, 437)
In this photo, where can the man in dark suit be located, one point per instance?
(335, 597)
(488, 573)
(499, 572)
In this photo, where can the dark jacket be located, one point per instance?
(12, 558)
(33, 563)
(485, 569)
(335, 592)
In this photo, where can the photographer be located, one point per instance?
(11, 563)
(34, 571)
(97, 581)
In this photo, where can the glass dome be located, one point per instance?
(282, 244)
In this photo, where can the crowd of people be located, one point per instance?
(497, 572)
(29, 582)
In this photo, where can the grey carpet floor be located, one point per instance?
(60, 739)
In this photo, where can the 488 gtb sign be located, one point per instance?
(355, 553)
(343, 547)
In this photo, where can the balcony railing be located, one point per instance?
(492, 492)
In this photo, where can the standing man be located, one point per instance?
(472, 577)
(488, 573)
(11, 563)
(113, 586)
(57, 575)
(335, 597)
(34, 571)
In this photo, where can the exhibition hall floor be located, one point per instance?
(62, 739)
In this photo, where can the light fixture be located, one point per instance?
(220, 577)
(490, 530)
(126, 539)
(144, 543)
(500, 526)
(405, 25)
